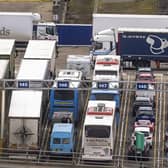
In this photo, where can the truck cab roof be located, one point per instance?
(68, 77)
(62, 128)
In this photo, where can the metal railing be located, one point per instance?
(51, 158)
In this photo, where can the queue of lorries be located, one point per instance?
(63, 104)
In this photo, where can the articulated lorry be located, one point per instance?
(24, 26)
(106, 21)
(137, 38)
(28, 108)
(136, 46)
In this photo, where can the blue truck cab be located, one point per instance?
(65, 95)
(65, 107)
(62, 138)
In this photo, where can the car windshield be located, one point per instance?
(149, 78)
(146, 113)
(60, 94)
(145, 109)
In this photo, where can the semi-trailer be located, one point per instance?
(28, 108)
(114, 21)
(7, 71)
(138, 47)
(25, 26)
(8, 52)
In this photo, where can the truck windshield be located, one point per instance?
(56, 141)
(50, 30)
(104, 96)
(64, 95)
(65, 141)
(113, 73)
(97, 131)
(97, 45)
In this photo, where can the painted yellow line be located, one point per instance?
(119, 126)
(156, 128)
(82, 122)
(126, 125)
(164, 118)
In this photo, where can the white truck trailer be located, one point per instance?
(42, 50)
(7, 68)
(24, 26)
(114, 21)
(4, 73)
(7, 52)
(28, 107)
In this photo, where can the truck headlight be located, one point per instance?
(94, 85)
(151, 87)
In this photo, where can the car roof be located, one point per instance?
(145, 108)
(138, 98)
(144, 74)
(146, 129)
(144, 69)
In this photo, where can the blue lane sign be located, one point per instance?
(23, 84)
(142, 86)
(102, 85)
(63, 84)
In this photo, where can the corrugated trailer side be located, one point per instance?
(25, 119)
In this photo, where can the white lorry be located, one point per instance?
(28, 107)
(24, 26)
(106, 26)
(7, 68)
(7, 52)
(128, 35)
(42, 50)
(106, 21)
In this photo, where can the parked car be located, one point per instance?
(145, 113)
(144, 70)
(141, 101)
(144, 123)
(145, 76)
